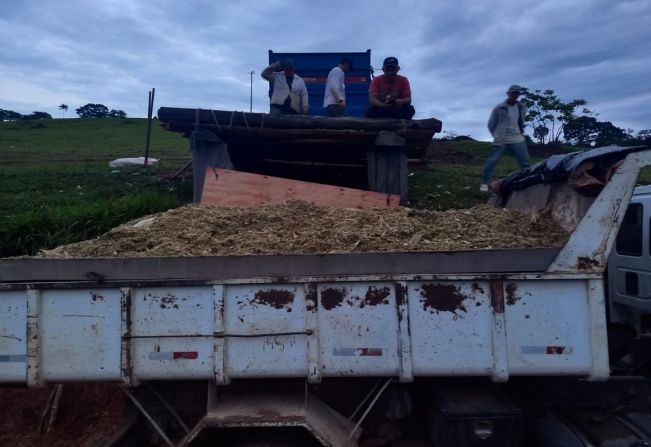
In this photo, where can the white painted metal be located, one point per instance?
(449, 339)
(593, 238)
(357, 335)
(547, 325)
(80, 335)
(13, 337)
(598, 331)
(34, 339)
(500, 342)
(406, 370)
(265, 331)
(219, 294)
(172, 333)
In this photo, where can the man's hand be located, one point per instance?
(342, 104)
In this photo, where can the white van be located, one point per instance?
(629, 267)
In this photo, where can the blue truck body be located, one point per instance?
(314, 69)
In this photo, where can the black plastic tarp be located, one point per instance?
(560, 167)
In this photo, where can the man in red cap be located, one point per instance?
(390, 93)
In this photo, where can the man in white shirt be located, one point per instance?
(334, 99)
(289, 94)
(506, 124)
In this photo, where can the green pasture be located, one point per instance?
(56, 185)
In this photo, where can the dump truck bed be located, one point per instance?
(494, 313)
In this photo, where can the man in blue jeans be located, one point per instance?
(506, 124)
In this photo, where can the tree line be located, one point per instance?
(85, 111)
(552, 121)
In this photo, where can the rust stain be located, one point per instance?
(96, 296)
(584, 263)
(333, 297)
(278, 299)
(168, 302)
(400, 294)
(497, 295)
(375, 296)
(476, 288)
(310, 297)
(442, 298)
(511, 297)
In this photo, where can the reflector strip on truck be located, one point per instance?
(13, 358)
(174, 355)
(357, 352)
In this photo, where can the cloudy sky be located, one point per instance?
(460, 55)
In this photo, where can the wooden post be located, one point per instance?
(387, 165)
(150, 109)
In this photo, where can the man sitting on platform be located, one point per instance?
(390, 93)
(289, 95)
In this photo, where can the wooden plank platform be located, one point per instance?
(224, 187)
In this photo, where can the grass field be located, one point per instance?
(56, 185)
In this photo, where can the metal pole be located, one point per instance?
(150, 108)
(251, 97)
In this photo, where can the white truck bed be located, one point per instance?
(495, 313)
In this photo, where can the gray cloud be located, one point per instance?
(459, 56)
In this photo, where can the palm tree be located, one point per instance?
(64, 109)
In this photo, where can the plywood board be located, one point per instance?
(233, 188)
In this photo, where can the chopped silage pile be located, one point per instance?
(300, 228)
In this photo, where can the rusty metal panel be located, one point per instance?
(13, 336)
(358, 329)
(172, 333)
(549, 326)
(80, 335)
(451, 328)
(265, 330)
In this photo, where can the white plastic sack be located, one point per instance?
(137, 161)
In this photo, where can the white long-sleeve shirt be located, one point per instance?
(298, 94)
(335, 89)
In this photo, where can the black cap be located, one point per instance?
(347, 60)
(390, 61)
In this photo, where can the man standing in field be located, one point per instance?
(390, 93)
(506, 124)
(289, 94)
(334, 99)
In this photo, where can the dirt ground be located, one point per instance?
(299, 228)
(87, 414)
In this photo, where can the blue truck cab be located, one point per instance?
(314, 69)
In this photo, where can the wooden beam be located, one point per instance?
(262, 120)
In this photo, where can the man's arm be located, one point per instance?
(267, 72)
(492, 121)
(373, 95)
(405, 94)
(304, 97)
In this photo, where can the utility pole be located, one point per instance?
(251, 95)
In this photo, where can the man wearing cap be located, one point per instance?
(390, 93)
(334, 99)
(289, 94)
(506, 124)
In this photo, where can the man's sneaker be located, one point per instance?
(483, 187)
